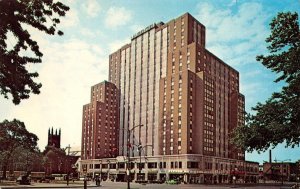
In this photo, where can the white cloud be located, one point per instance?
(235, 37)
(115, 45)
(136, 28)
(68, 2)
(117, 16)
(68, 71)
(253, 73)
(232, 3)
(70, 20)
(70, 67)
(209, 16)
(85, 32)
(237, 34)
(91, 8)
(251, 88)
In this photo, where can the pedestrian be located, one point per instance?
(67, 179)
(97, 181)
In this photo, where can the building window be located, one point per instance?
(179, 143)
(192, 164)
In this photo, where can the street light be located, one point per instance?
(233, 171)
(100, 172)
(128, 153)
(140, 147)
(235, 175)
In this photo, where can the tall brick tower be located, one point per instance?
(186, 98)
(100, 124)
(170, 104)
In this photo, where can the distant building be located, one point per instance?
(75, 151)
(57, 160)
(100, 123)
(54, 138)
(187, 100)
(286, 171)
(261, 172)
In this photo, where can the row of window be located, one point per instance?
(208, 165)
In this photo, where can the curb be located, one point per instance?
(49, 186)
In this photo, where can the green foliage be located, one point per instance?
(24, 159)
(14, 135)
(278, 119)
(55, 160)
(43, 15)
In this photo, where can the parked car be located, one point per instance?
(81, 178)
(172, 181)
(85, 178)
(23, 180)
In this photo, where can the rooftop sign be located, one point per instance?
(143, 31)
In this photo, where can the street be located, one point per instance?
(123, 185)
(183, 186)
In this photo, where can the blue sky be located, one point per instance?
(236, 32)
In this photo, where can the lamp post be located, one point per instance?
(140, 147)
(140, 154)
(233, 171)
(128, 153)
(100, 179)
(84, 179)
(235, 175)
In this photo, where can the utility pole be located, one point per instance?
(128, 154)
(128, 159)
(67, 165)
(100, 172)
(140, 165)
(140, 154)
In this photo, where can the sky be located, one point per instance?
(93, 29)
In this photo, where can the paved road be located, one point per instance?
(123, 185)
(111, 185)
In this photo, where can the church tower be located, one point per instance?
(54, 138)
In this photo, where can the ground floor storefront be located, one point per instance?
(187, 178)
(191, 169)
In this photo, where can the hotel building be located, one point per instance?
(179, 102)
(99, 123)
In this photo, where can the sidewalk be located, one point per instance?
(48, 185)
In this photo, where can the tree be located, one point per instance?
(278, 119)
(24, 159)
(43, 15)
(13, 135)
(54, 159)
